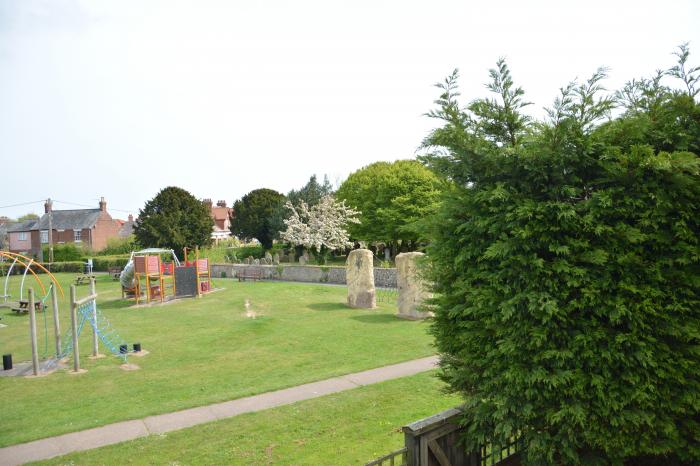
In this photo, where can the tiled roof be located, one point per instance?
(76, 219)
(126, 229)
(27, 225)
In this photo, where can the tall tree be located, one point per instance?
(174, 219)
(311, 194)
(252, 215)
(567, 270)
(322, 228)
(393, 197)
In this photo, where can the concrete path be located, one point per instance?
(129, 430)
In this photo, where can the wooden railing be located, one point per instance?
(395, 458)
(435, 441)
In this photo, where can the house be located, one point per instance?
(126, 229)
(89, 227)
(222, 219)
(19, 236)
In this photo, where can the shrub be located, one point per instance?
(64, 252)
(567, 272)
(243, 252)
(68, 266)
(103, 263)
(119, 246)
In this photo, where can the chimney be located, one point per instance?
(207, 202)
(220, 203)
(103, 204)
(48, 206)
(131, 218)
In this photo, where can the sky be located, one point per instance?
(123, 98)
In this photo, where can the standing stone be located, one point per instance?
(256, 261)
(250, 260)
(412, 289)
(276, 259)
(360, 279)
(302, 260)
(268, 257)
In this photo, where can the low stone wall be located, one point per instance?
(384, 278)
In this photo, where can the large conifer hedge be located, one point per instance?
(567, 271)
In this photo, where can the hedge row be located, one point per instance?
(99, 264)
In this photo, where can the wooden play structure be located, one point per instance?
(147, 277)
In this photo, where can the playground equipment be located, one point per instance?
(146, 275)
(202, 272)
(18, 261)
(82, 311)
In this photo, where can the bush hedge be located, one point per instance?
(566, 263)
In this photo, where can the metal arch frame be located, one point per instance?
(17, 257)
(7, 279)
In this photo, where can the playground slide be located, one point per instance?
(127, 276)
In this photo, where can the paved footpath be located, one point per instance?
(129, 430)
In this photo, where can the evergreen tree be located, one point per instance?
(174, 219)
(566, 263)
(252, 215)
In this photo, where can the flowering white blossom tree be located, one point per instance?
(321, 227)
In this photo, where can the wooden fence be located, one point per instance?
(435, 441)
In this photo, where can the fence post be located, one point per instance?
(95, 349)
(74, 330)
(56, 323)
(32, 332)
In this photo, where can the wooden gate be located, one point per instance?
(435, 441)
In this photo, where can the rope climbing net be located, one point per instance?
(90, 314)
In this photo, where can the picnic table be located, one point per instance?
(83, 279)
(23, 306)
(114, 272)
(252, 273)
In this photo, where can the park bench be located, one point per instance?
(114, 272)
(250, 273)
(24, 306)
(83, 279)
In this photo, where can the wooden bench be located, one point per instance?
(114, 272)
(24, 306)
(251, 273)
(83, 279)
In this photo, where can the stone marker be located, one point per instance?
(412, 289)
(276, 259)
(256, 261)
(268, 257)
(360, 278)
(302, 260)
(250, 260)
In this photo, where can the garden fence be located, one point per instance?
(435, 441)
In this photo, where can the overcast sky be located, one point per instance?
(123, 98)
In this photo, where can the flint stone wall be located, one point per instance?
(383, 278)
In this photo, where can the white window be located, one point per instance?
(44, 236)
(22, 236)
(77, 235)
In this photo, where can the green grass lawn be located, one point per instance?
(351, 427)
(201, 351)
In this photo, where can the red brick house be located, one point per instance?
(89, 227)
(222, 219)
